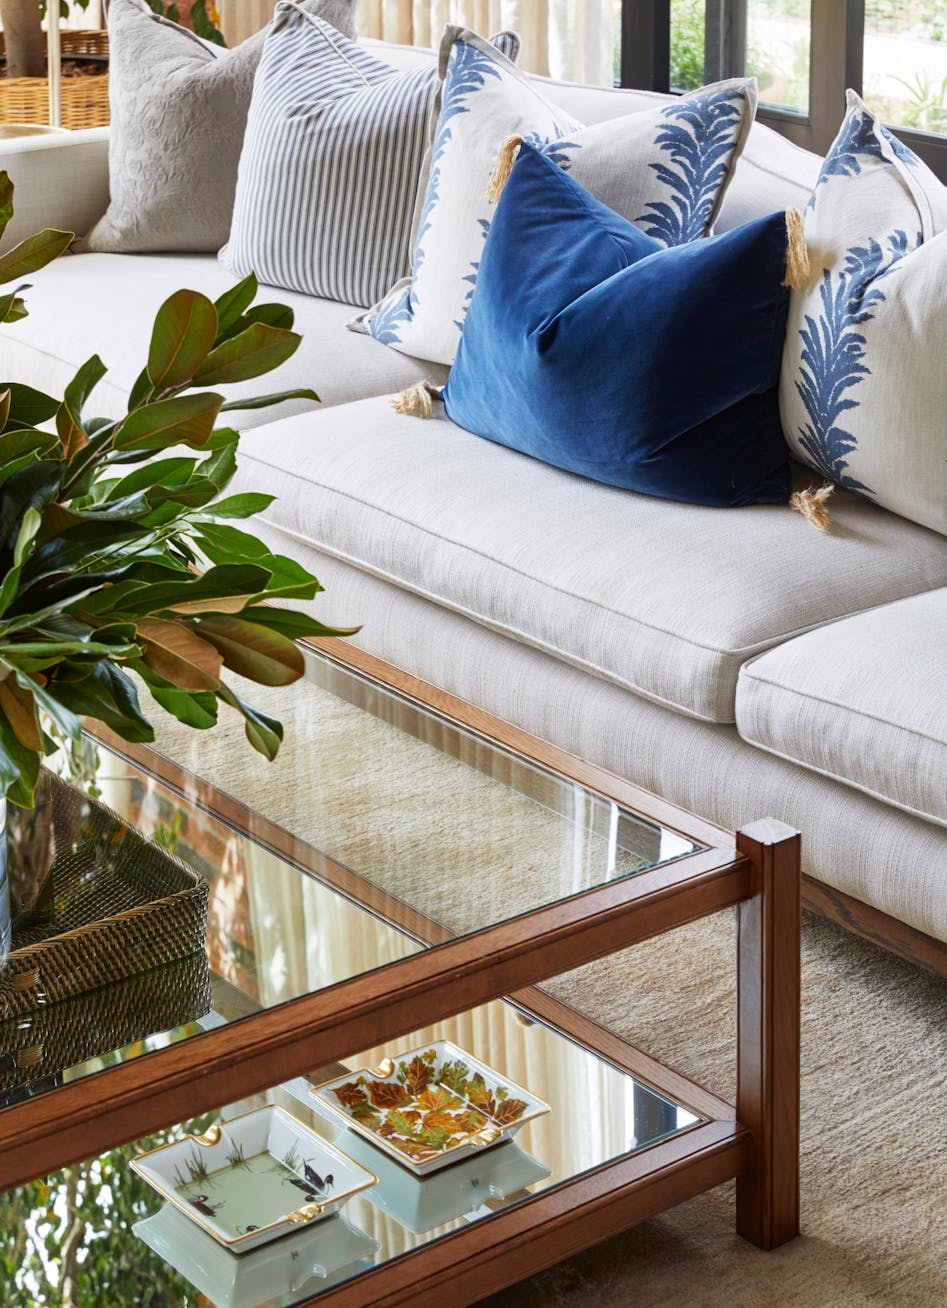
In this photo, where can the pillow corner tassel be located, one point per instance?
(811, 503)
(416, 401)
(506, 158)
(798, 266)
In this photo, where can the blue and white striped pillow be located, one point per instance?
(331, 159)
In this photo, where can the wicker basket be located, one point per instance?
(85, 99)
(43, 1044)
(111, 903)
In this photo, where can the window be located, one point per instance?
(804, 53)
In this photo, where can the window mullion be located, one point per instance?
(724, 39)
(646, 44)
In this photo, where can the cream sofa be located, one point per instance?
(737, 662)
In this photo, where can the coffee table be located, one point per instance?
(409, 862)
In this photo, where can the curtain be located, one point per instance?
(570, 39)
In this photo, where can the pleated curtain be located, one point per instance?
(570, 39)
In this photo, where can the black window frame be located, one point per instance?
(835, 63)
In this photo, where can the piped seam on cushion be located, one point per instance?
(887, 800)
(319, 26)
(806, 696)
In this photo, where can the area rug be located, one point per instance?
(874, 1133)
(874, 1089)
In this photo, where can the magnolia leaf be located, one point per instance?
(12, 308)
(252, 651)
(34, 253)
(166, 473)
(289, 622)
(72, 435)
(255, 351)
(9, 589)
(19, 767)
(233, 303)
(264, 401)
(183, 420)
(29, 407)
(242, 506)
(196, 709)
(273, 315)
(220, 466)
(5, 402)
(32, 487)
(225, 544)
(68, 723)
(183, 335)
(26, 535)
(264, 733)
(6, 200)
(217, 584)
(19, 709)
(86, 545)
(177, 654)
(109, 695)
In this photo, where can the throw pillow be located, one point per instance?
(665, 169)
(329, 172)
(863, 390)
(592, 346)
(179, 109)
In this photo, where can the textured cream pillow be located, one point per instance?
(179, 109)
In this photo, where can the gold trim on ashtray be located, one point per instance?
(305, 1214)
(488, 1136)
(384, 1069)
(210, 1137)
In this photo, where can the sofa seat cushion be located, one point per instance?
(105, 304)
(667, 600)
(863, 701)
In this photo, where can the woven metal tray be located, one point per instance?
(114, 903)
(55, 1037)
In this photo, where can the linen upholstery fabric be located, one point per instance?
(666, 170)
(65, 322)
(178, 113)
(879, 854)
(591, 346)
(863, 392)
(664, 599)
(333, 152)
(853, 701)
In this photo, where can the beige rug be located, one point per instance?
(874, 1134)
(874, 1094)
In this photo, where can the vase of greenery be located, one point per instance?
(121, 570)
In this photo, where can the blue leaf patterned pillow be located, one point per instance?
(592, 346)
(863, 388)
(664, 169)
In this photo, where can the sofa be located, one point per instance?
(735, 661)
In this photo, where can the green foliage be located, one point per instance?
(687, 44)
(205, 19)
(114, 560)
(68, 1238)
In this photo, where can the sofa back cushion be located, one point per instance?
(179, 108)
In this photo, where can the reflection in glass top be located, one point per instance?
(431, 829)
(130, 1248)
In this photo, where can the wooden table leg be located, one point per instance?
(768, 985)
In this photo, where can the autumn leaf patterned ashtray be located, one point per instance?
(430, 1106)
(254, 1177)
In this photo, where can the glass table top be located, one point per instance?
(380, 830)
(103, 1227)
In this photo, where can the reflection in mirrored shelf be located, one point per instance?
(598, 1114)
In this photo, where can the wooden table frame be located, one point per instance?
(757, 1141)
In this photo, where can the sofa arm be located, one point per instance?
(61, 180)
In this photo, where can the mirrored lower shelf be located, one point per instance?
(597, 1114)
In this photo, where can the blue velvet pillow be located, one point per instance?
(591, 346)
